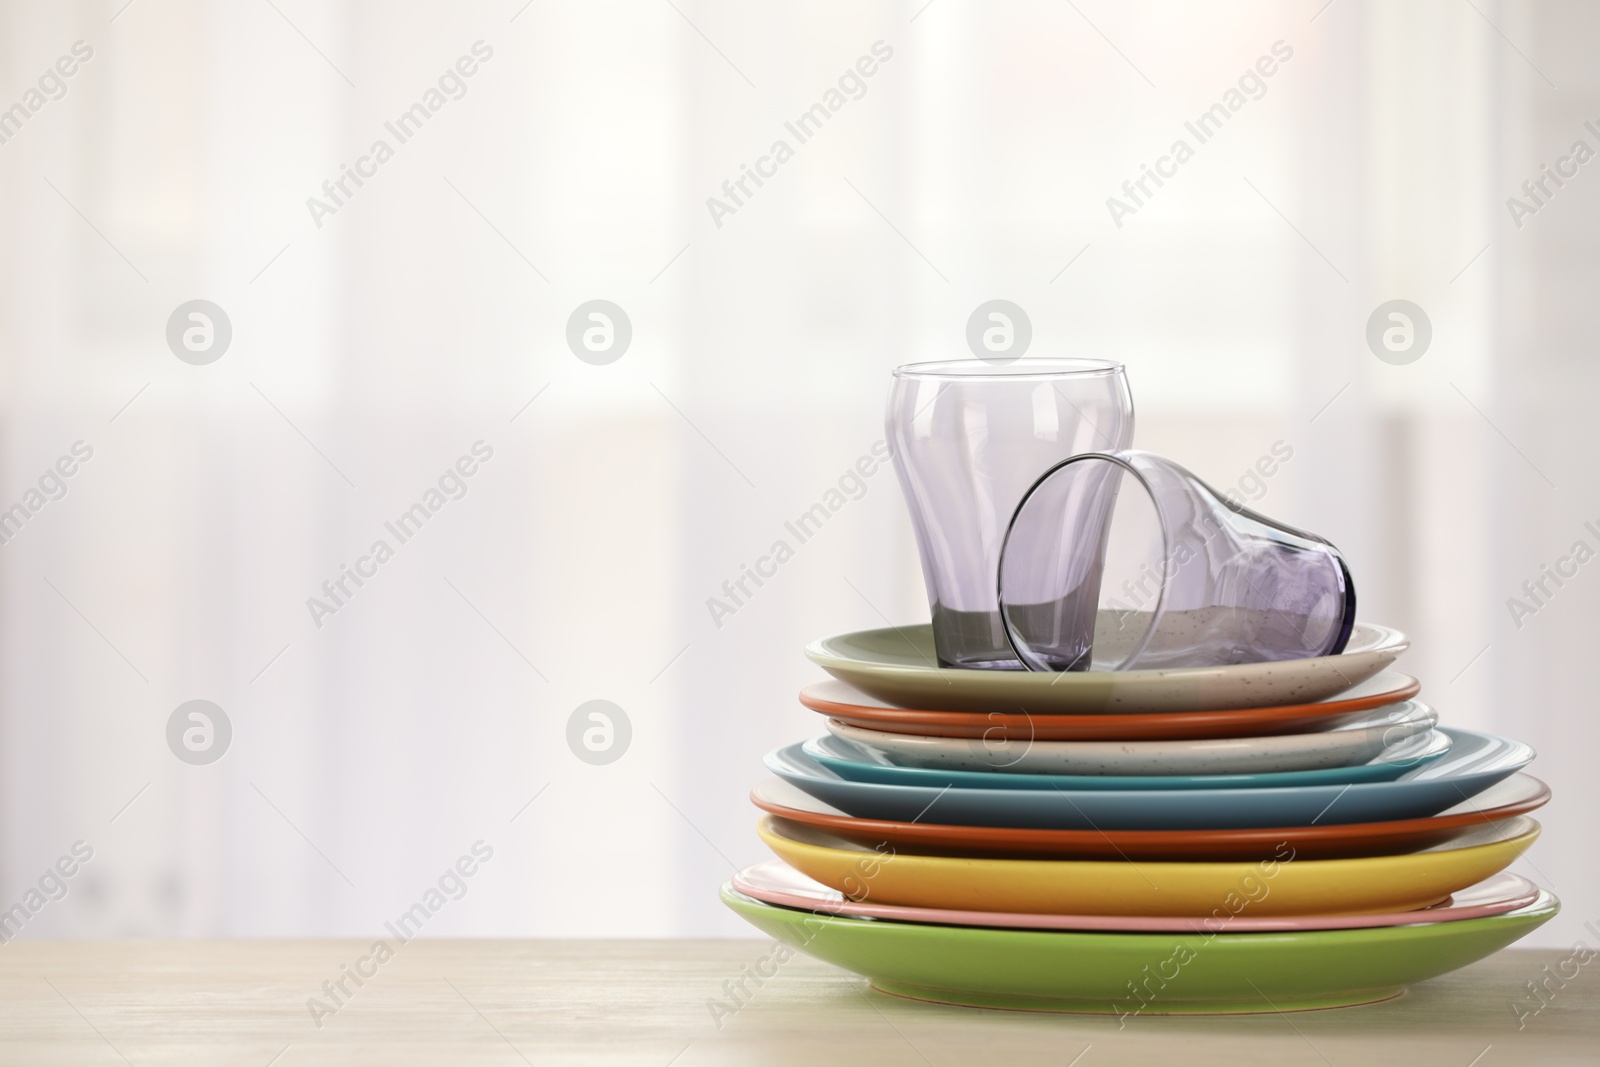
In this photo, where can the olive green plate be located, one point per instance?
(1134, 974)
(897, 665)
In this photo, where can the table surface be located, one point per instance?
(647, 1003)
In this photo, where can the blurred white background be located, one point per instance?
(370, 352)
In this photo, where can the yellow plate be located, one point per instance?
(1280, 886)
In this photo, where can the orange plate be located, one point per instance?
(1390, 687)
(1516, 795)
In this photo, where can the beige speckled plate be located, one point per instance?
(897, 665)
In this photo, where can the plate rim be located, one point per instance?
(1546, 902)
(1390, 639)
(766, 826)
(1239, 836)
(1434, 750)
(1208, 722)
(1359, 721)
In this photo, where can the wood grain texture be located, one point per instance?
(646, 1003)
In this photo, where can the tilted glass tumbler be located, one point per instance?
(1190, 579)
(968, 439)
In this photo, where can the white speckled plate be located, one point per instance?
(1355, 741)
(897, 665)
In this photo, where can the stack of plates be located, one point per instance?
(1259, 837)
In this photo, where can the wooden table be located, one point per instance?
(645, 1002)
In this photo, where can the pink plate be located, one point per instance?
(775, 882)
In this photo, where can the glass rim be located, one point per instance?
(980, 369)
(1122, 458)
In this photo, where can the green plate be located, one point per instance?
(1134, 974)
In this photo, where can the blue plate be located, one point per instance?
(1474, 763)
(860, 764)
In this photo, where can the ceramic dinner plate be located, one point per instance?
(775, 882)
(1281, 885)
(1000, 720)
(863, 765)
(1055, 970)
(1357, 740)
(1517, 795)
(1475, 762)
(898, 665)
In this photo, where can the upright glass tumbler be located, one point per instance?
(969, 439)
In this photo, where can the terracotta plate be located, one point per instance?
(1517, 795)
(839, 701)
